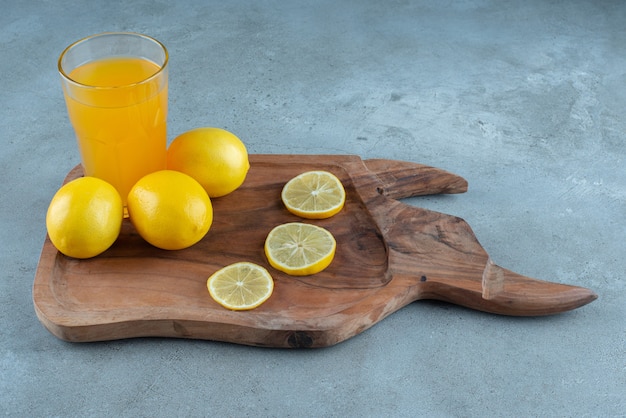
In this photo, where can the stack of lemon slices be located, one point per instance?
(295, 248)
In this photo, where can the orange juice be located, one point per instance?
(118, 108)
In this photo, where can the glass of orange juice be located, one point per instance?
(115, 88)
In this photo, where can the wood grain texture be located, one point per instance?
(389, 255)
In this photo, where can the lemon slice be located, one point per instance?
(300, 249)
(240, 286)
(314, 195)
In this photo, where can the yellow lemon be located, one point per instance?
(216, 158)
(314, 195)
(170, 210)
(84, 217)
(241, 286)
(300, 249)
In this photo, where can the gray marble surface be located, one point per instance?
(525, 100)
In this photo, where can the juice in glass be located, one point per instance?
(117, 103)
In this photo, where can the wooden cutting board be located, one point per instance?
(389, 254)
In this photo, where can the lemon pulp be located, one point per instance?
(314, 195)
(241, 286)
(300, 249)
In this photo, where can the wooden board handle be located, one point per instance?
(440, 258)
(399, 179)
(517, 295)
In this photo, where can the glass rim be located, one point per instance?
(103, 34)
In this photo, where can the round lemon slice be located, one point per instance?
(314, 195)
(240, 286)
(300, 249)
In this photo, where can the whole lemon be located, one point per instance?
(216, 158)
(170, 209)
(84, 217)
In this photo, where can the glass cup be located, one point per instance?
(115, 88)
